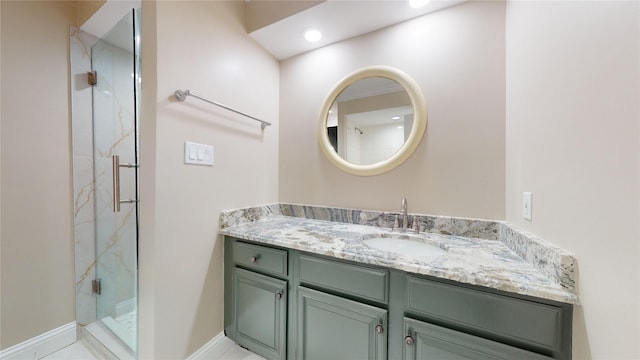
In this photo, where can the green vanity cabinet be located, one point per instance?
(289, 304)
(260, 311)
(369, 284)
(256, 297)
(260, 258)
(524, 323)
(426, 341)
(332, 327)
(341, 309)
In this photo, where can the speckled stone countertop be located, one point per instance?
(493, 254)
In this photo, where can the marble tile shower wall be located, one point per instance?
(113, 121)
(98, 231)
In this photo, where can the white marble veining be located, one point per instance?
(102, 126)
(114, 124)
(474, 252)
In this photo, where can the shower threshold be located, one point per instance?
(103, 340)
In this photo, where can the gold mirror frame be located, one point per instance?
(417, 130)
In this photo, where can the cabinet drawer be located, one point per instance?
(524, 321)
(364, 282)
(262, 258)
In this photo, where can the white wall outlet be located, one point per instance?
(527, 198)
(198, 154)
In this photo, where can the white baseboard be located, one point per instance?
(42, 345)
(214, 349)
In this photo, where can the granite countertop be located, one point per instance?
(479, 252)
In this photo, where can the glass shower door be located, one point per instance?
(115, 65)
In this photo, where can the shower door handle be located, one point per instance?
(115, 160)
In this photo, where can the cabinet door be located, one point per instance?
(538, 325)
(427, 341)
(331, 327)
(260, 313)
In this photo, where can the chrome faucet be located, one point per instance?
(403, 211)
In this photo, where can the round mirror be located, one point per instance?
(372, 120)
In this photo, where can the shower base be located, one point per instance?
(124, 327)
(102, 339)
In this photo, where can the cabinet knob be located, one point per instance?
(409, 340)
(279, 295)
(379, 329)
(253, 259)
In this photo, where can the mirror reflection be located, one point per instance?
(370, 120)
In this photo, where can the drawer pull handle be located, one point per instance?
(279, 295)
(379, 329)
(409, 340)
(254, 259)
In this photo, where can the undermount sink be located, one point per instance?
(407, 245)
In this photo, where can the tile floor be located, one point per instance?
(76, 351)
(238, 353)
(81, 351)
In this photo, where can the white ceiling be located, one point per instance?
(380, 117)
(338, 20)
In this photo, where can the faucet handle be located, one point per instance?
(416, 228)
(395, 223)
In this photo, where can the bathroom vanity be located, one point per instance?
(298, 287)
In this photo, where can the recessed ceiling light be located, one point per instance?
(415, 4)
(312, 35)
(395, 118)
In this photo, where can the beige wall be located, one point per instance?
(147, 156)
(572, 138)
(37, 240)
(457, 57)
(1, 347)
(201, 46)
(573, 95)
(0, 177)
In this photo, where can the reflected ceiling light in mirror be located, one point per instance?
(312, 35)
(395, 118)
(416, 4)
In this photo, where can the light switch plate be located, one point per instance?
(527, 199)
(198, 154)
